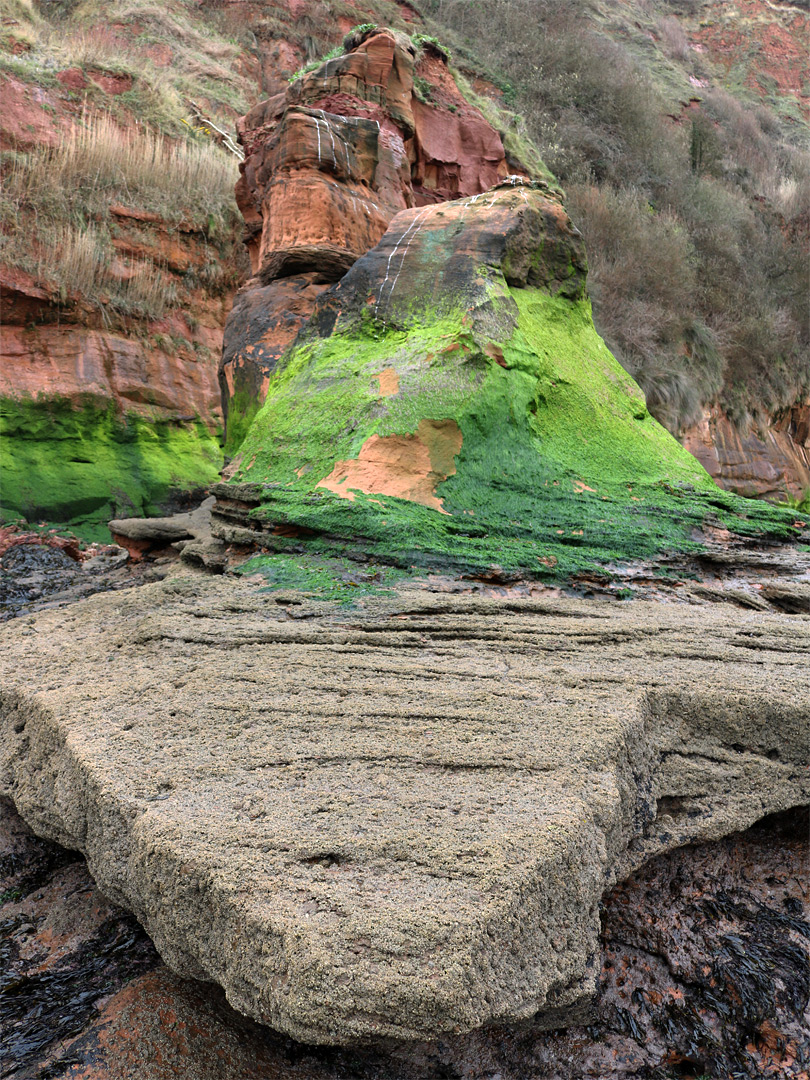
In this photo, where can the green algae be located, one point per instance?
(243, 405)
(85, 465)
(341, 581)
(562, 470)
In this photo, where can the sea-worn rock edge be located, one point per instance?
(398, 821)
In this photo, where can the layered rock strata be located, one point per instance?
(771, 462)
(327, 165)
(395, 822)
(96, 420)
(675, 989)
(106, 406)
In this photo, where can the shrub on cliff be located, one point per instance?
(698, 260)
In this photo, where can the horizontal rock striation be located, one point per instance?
(394, 822)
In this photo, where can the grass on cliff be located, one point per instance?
(171, 51)
(56, 210)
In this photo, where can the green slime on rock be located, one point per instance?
(83, 466)
(562, 469)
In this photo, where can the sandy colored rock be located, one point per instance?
(195, 524)
(406, 466)
(397, 821)
(674, 989)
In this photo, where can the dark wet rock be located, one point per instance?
(63, 947)
(793, 598)
(29, 572)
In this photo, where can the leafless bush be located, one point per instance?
(673, 40)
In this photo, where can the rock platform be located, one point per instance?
(392, 822)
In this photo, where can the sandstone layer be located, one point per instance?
(328, 163)
(394, 822)
(769, 462)
(104, 409)
(92, 1001)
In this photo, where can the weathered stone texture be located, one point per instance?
(398, 821)
(328, 163)
(770, 461)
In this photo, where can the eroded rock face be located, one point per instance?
(367, 825)
(670, 942)
(768, 463)
(449, 403)
(103, 410)
(328, 163)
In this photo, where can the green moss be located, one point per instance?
(242, 409)
(562, 470)
(339, 580)
(85, 465)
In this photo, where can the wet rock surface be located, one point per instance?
(703, 952)
(37, 574)
(394, 822)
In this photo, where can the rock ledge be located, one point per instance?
(394, 822)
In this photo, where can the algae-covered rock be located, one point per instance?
(83, 461)
(327, 165)
(450, 402)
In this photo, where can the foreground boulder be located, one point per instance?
(673, 976)
(395, 822)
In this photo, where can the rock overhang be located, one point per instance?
(396, 822)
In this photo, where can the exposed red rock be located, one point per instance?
(768, 42)
(74, 361)
(57, 346)
(72, 78)
(769, 461)
(28, 116)
(328, 163)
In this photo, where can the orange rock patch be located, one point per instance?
(405, 466)
(389, 382)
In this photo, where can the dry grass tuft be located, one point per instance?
(56, 208)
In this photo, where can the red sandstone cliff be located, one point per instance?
(328, 163)
(308, 214)
(770, 461)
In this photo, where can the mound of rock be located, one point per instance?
(449, 403)
(394, 822)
